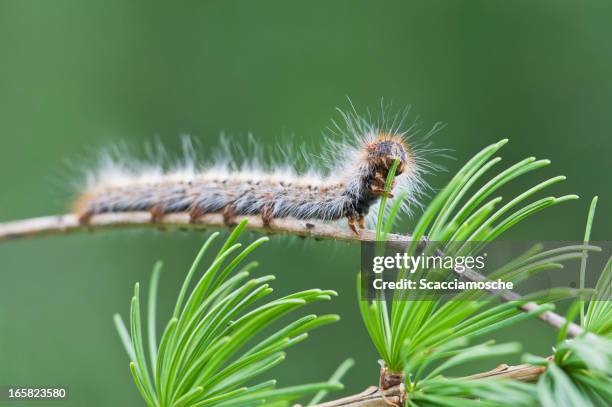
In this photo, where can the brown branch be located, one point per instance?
(522, 373)
(372, 397)
(69, 223)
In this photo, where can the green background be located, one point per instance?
(78, 76)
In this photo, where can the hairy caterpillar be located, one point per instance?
(352, 184)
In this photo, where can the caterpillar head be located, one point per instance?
(384, 150)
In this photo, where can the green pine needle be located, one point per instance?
(583, 263)
(202, 358)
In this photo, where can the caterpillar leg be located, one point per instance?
(352, 223)
(267, 215)
(195, 213)
(361, 220)
(229, 215)
(378, 186)
(381, 191)
(85, 217)
(157, 212)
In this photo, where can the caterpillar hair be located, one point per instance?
(359, 157)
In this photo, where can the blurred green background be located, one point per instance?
(78, 76)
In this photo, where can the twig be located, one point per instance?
(69, 223)
(372, 397)
(522, 373)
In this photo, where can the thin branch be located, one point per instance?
(372, 397)
(522, 373)
(69, 223)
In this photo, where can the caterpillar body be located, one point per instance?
(351, 186)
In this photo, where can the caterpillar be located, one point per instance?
(359, 156)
